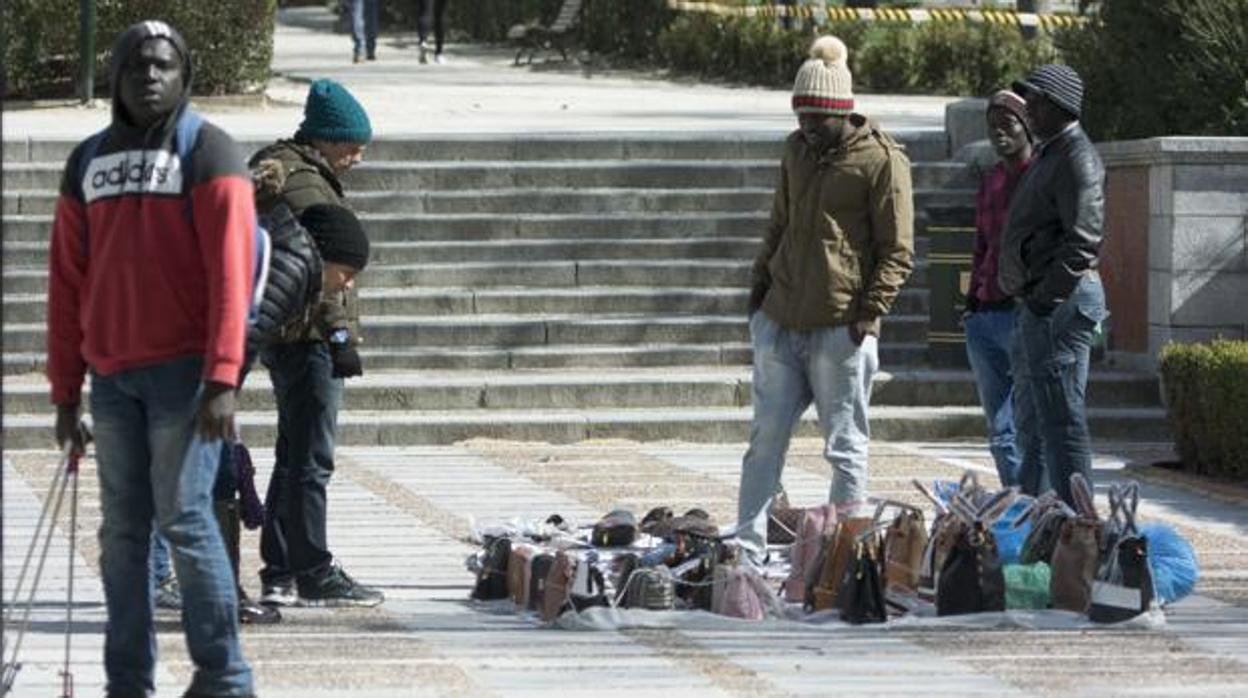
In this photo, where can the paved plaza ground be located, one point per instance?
(399, 515)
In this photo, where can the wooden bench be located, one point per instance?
(535, 37)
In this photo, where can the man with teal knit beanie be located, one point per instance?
(310, 360)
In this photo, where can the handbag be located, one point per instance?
(739, 591)
(651, 588)
(814, 524)
(1077, 553)
(904, 542)
(1123, 588)
(946, 529)
(971, 579)
(1047, 514)
(860, 596)
(1027, 586)
(617, 529)
(518, 571)
(539, 569)
(782, 520)
(558, 581)
(835, 553)
(492, 576)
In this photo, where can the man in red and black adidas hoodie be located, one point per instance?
(150, 281)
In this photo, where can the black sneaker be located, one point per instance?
(337, 588)
(278, 594)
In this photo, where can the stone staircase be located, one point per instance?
(557, 288)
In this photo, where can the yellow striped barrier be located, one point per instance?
(883, 14)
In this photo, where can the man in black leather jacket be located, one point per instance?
(1049, 260)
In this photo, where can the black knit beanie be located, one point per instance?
(337, 233)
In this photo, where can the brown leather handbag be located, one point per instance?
(971, 580)
(904, 542)
(555, 598)
(946, 529)
(835, 554)
(518, 569)
(1077, 552)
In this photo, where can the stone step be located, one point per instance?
(920, 144)
(525, 331)
(892, 354)
(39, 202)
(726, 425)
(712, 273)
(693, 386)
(517, 251)
(380, 175)
(32, 307)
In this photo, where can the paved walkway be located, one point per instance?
(399, 517)
(478, 91)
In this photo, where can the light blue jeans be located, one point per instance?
(364, 26)
(1050, 359)
(989, 335)
(153, 466)
(791, 370)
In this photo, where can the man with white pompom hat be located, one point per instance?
(838, 249)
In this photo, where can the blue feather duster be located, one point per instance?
(1172, 560)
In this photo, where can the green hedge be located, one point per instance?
(231, 42)
(930, 58)
(1206, 390)
(1163, 67)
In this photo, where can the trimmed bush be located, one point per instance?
(1163, 67)
(1206, 391)
(40, 42)
(930, 58)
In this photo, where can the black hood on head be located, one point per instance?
(127, 43)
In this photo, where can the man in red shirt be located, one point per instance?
(990, 314)
(149, 286)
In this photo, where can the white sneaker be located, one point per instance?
(424, 52)
(439, 59)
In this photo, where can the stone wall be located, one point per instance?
(1175, 259)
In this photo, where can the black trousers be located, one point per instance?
(293, 541)
(432, 12)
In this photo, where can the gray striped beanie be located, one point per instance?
(1060, 83)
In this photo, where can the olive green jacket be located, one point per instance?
(840, 244)
(297, 174)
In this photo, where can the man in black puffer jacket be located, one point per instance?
(1049, 259)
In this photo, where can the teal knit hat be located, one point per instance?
(332, 114)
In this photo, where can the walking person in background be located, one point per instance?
(364, 18)
(990, 316)
(150, 277)
(839, 247)
(1049, 257)
(431, 11)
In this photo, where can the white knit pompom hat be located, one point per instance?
(824, 84)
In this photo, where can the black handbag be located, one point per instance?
(971, 580)
(1048, 513)
(539, 569)
(1123, 588)
(860, 595)
(492, 576)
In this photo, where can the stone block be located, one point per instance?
(1208, 243)
(1210, 298)
(1225, 177)
(1161, 190)
(1210, 203)
(1160, 243)
(1160, 285)
(964, 122)
(16, 150)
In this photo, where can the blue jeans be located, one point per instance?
(989, 334)
(152, 465)
(161, 568)
(1050, 359)
(792, 369)
(293, 541)
(364, 26)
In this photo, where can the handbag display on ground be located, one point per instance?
(971, 579)
(1077, 553)
(1123, 588)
